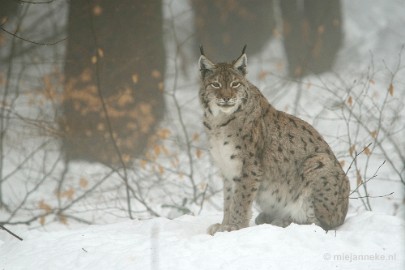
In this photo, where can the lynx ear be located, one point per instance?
(205, 64)
(241, 63)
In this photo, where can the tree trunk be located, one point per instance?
(7, 9)
(114, 74)
(224, 27)
(312, 34)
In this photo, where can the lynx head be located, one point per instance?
(223, 85)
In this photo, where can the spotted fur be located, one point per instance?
(267, 156)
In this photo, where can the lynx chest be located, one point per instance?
(225, 155)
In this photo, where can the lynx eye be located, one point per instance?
(216, 85)
(235, 84)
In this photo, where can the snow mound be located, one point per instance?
(365, 241)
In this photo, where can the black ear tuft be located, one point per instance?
(244, 49)
(202, 50)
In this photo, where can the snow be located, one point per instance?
(366, 241)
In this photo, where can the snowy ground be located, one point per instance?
(365, 241)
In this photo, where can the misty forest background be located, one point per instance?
(99, 110)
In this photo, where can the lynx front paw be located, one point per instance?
(214, 228)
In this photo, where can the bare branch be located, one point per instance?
(10, 232)
(366, 181)
(355, 157)
(30, 41)
(35, 3)
(369, 196)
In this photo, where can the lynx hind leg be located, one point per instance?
(264, 218)
(330, 190)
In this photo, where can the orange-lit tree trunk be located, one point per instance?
(113, 79)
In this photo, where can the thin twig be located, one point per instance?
(373, 197)
(181, 120)
(203, 198)
(355, 157)
(30, 41)
(10, 232)
(366, 181)
(59, 211)
(35, 3)
(107, 116)
(33, 190)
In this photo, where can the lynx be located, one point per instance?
(267, 156)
